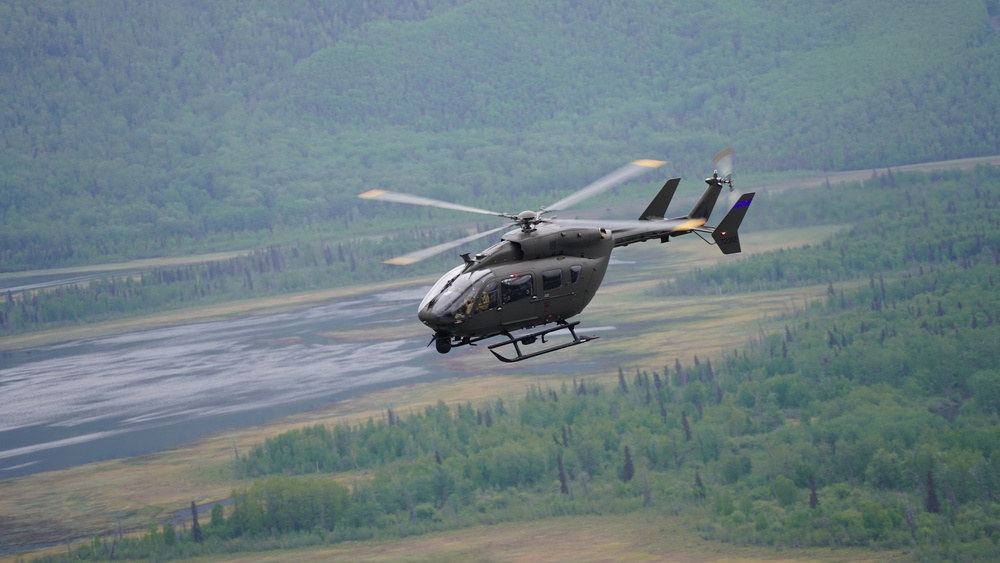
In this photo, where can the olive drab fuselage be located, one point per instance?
(531, 277)
(549, 269)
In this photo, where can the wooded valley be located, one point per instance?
(136, 130)
(870, 420)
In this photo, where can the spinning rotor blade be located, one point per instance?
(723, 164)
(428, 252)
(625, 173)
(383, 195)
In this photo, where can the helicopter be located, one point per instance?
(547, 270)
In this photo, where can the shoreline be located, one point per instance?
(198, 314)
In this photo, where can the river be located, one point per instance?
(125, 395)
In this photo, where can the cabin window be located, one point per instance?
(516, 287)
(574, 273)
(551, 279)
(490, 297)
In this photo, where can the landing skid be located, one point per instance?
(530, 339)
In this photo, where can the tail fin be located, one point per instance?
(726, 235)
(703, 209)
(658, 207)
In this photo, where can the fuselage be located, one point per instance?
(531, 277)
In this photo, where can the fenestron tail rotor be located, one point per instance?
(526, 219)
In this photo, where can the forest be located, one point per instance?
(135, 129)
(870, 420)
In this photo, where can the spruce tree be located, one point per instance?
(933, 505)
(813, 497)
(195, 527)
(628, 470)
(563, 485)
(699, 487)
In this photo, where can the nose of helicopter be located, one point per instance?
(434, 319)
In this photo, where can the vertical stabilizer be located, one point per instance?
(727, 235)
(703, 209)
(658, 207)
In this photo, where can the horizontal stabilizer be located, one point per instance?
(726, 235)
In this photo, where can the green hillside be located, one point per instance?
(142, 129)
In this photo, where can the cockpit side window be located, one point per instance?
(551, 279)
(490, 297)
(515, 288)
(574, 273)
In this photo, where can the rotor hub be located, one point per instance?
(527, 219)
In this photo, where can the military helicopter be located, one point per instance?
(548, 269)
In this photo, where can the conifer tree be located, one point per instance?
(933, 506)
(628, 470)
(563, 485)
(195, 527)
(699, 487)
(813, 497)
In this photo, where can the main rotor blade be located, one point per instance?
(428, 252)
(383, 195)
(625, 173)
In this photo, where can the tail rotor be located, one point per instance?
(723, 164)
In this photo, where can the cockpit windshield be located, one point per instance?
(439, 285)
(455, 294)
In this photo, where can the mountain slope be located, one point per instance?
(136, 129)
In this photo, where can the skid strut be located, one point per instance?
(530, 339)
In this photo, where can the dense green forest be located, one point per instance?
(870, 420)
(137, 129)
